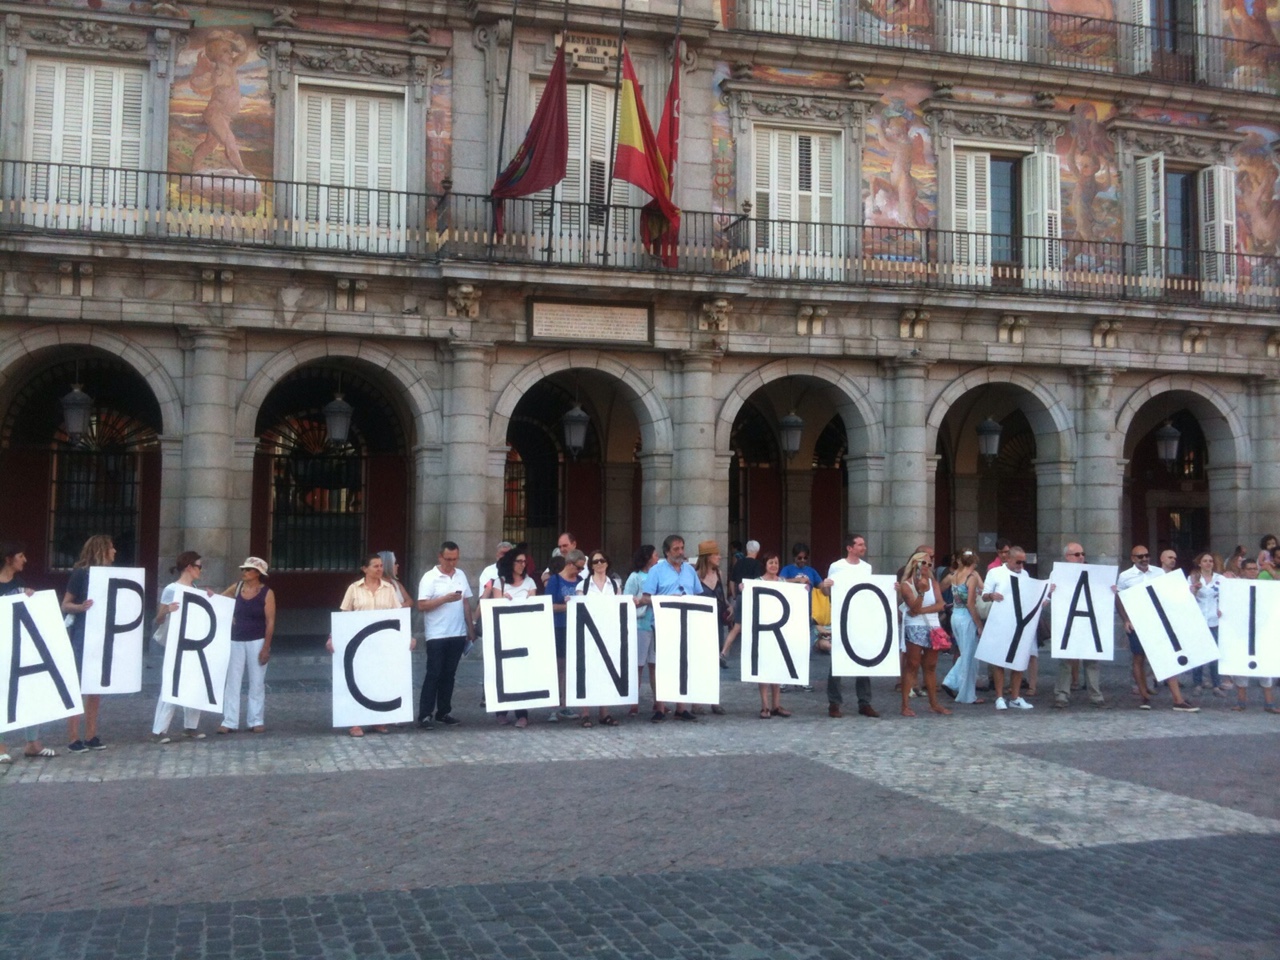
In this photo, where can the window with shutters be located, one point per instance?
(796, 196)
(1184, 227)
(993, 28)
(1006, 218)
(1169, 39)
(798, 18)
(85, 137)
(350, 157)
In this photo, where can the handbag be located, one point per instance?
(938, 639)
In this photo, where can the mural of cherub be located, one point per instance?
(215, 73)
(1257, 206)
(902, 146)
(1088, 155)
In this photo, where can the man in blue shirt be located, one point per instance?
(672, 577)
(799, 570)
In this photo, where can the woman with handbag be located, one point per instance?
(966, 626)
(512, 582)
(921, 630)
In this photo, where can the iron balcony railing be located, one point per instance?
(1173, 52)
(245, 212)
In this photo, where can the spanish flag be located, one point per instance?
(543, 157)
(639, 161)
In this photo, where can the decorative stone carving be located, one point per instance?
(89, 33)
(1195, 339)
(163, 8)
(1012, 329)
(811, 319)
(855, 80)
(741, 71)
(284, 17)
(981, 121)
(1106, 334)
(352, 294)
(491, 38)
(463, 300)
(714, 315)
(289, 51)
(217, 286)
(1203, 145)
(754, 100)
(75, 279)
(353, 60)
(1273, 345)
(419, 32)
(913, 324)
(1045, 99)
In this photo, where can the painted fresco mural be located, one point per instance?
(1257, 194)
(1091, 208)
(1253, 62)
(899, 170)
(723, 155)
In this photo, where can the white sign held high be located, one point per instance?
(37, 665)
(113, 630)
(775, 632)
(1249, 628)
(372, 667)
(686, 634)
(1009, 635)
(864, 627)
(1084, 611)
(601, 651)
(197, 650)
(519, 641)
(1167, 620)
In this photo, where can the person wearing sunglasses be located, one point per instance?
(1141, 572)
(997, 589)
(1069, 669)
(600, 581)
(512, 581)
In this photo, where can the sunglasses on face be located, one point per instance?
(1141, 556)
(596, 560)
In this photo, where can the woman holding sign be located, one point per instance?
(602, 581)
(921, 603)
(1206, 585)
(98, 551)
(642, 562)
(189, 566)
(11, 585)
(770, 693)
(251, 628)
(512, 582)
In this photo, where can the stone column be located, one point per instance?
(658, 514)
(207, 453)
(1055, 513)
(799, 511)
(429, 490)
(700, 493)
(907, 522)
(1264, 493)
(172, 521)
(1098, 482)
(464, 515)
(1229, 506)
(865, 498)
(619, 538)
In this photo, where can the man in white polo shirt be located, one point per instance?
(853, 566)
(442, 597)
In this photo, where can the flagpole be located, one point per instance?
(549, 249)
(613, 134)
(502, 127)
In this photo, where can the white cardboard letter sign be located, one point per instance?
(601, 651)
(372, 667)
(1167, 620)
(1009, 635)
(1247, 635)
(197, 650)
(775, 632)
(113, 629)
(686, 634)
(864, 627)
(519, 640)
(1083, 609)
(37, 665)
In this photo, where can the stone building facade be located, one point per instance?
(900, 222)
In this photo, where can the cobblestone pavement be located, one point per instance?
(1063, 834)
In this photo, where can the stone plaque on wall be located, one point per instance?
(598, 322)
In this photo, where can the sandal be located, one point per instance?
(780, 712)
(43, 754)
(586, 722)
(381, 728)
(608, 721)
(766, 714)
(356, 732)
(224, 730)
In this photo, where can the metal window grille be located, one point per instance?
(93, 492)
(317, 510)
(515, 500)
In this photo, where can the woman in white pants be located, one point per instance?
(188, 567)
(251, 628)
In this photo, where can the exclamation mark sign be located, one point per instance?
(1168, 627)
(1253, 625)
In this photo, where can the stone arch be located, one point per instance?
(139, 358)
(656, 432)
(1051, 420)
(423, 406)
(866, 430)
(1220, 419)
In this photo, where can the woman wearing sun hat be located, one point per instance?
(251, 628)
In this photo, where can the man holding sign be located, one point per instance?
(673, 576)
(1010, 632)
(1141, 573)
(853, 568)
(1082, 609)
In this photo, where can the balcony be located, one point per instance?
(159, 207)
(1017, 34)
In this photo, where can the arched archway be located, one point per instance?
(104, 480)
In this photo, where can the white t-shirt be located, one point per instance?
(588, 587)
(843, 568)
(488, 574)
(448, 619)
(999, 580)
(528, 588)
(1207, 597)
(1133, 576)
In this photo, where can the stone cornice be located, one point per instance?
(963, 119)
(754, 99)
(651, 24)
(27, 11)
(1195, 144)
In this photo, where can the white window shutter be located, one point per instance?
(1138, 49)
(598, 127)
(132, 133)
(1218, 225)
(1041, 217)
(763, 173)
(971, 215)
(1148, 232)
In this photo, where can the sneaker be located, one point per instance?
(554, 718)
(161, 738)
(1060, 704)
(425, 723)
(564, 713)
(658, 716)
(96, 744)
(522, 722)
(193, 734)
(1145, 705)
(1020, 704)
(449, 720)
(1185, 707)
(1000, 704)
(78, 746)
(685, 715)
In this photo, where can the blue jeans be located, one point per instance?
(1197, 673)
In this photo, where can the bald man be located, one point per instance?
(1074, 553)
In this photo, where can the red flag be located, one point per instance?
(639, 160)
(543, 157)
(667, 236)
